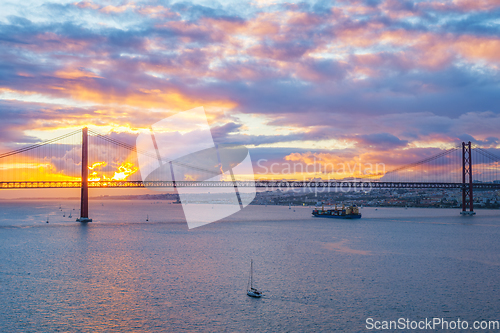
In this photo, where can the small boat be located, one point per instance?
(350, 212)
(64, 215)
(147, 217)
(289, 206)
(47, 220)
(251, 291)
(69, 215)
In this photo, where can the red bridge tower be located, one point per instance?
(467, 196)
(84, 203)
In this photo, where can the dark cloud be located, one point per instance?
(194, 12)
(478, 23)
(220, 133)
(487, 142)
(286, 51)
(17, 118)
(379, 141)
(402, 5)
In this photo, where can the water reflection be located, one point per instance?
(122, 275)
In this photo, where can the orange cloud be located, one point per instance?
(124, 170)
(145, 98)
(157, 12)
(470, 5)
(479, 48)
(73, 73)
(25, 168)
(117, 9)
(262, 25)
(97, 165)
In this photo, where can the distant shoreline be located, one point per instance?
(155, 198)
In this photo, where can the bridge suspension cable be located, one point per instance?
(56, 159)
(444, 167)
(486, 166)
(487, 153)
(21, 150)
(427, 160)
(151, 155)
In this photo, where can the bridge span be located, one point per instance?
(269, 184)
(69, 157)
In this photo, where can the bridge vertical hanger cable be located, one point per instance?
(491, 163)
(148, 154)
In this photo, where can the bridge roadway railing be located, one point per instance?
(270, 184)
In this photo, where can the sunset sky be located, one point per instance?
(384, 81)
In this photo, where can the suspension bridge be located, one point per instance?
(86, 159)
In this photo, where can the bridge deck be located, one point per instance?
(344, 185)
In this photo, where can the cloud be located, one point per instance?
(384, 74)
(221, 132)
(380, 141)
(487, 142)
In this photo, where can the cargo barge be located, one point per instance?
(349, 212)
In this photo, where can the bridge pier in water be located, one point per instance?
(467, 195)
(84, 201)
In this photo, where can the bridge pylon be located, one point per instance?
(467, 195)
(84, 200)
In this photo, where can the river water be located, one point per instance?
(121, 273)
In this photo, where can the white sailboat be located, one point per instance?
(251, 291)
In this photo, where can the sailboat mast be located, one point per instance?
(251, 273)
